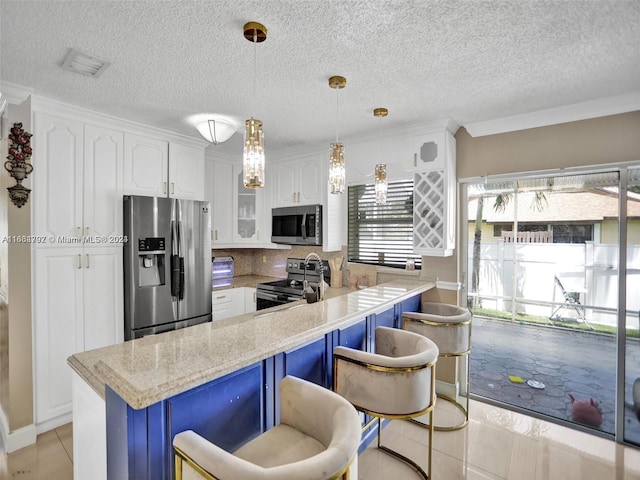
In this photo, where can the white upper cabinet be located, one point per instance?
(79, 185)
(157, 168)
(298, 181)
(146, 166)
(221, 204)
(429, 151)
(57, 186)
(246, 207)
(103, 182)
(186, 168)
(434, 200)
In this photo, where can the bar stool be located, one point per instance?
(317, 439)
(449, 326)
(395, 382)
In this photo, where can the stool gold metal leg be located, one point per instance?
(401, 457)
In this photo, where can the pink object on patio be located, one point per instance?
(587, 412)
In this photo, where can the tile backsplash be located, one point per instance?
(271, 262)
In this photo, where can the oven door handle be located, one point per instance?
(269, 296)
(294, 299)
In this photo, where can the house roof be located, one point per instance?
(583, 206)
(424, 60)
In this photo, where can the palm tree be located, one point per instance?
(538, 204)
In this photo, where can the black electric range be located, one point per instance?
(279, 292)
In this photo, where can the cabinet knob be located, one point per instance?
(415, 159)
(79, 261)
(173, 188)
(215, 235)
(87, 261)
(164, 187)
(88, 230)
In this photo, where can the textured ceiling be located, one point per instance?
(424, 60)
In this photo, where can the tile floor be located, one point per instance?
(497, 444)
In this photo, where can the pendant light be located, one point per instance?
(381, 185)
(253, 156)
(336, 159)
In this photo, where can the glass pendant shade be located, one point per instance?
(381, 184)
(253, 158)
(336, 168)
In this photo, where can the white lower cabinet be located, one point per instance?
(78, 306)
(249, 299)
(227, 303)
(231, 302)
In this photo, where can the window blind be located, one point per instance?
(382, 234)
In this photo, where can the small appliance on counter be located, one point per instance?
(166, 264)
(271, 294)
(221, 268)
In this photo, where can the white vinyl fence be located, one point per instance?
(588, 269)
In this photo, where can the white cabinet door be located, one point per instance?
(249, 299)
(58, 327)
(286, 188)
(300, 181)
(57, 187)
(103, 297)
(103, 179)
(186, 172)
(429, 151)
(222, 304)
(146, 166)
(222, 206)
(311, 179)
(246, 205)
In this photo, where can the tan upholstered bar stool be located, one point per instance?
(317, 439)
(449, 326)
(395, 382)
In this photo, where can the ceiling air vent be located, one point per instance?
(84, 64)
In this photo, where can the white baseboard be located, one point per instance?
(447, 389)
(54, 423)
(23, 437)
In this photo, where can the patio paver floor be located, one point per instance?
(565, 361)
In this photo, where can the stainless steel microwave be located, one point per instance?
(299, 225)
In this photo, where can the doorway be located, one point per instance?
(553, 308)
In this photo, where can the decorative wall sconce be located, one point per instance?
(17, 166)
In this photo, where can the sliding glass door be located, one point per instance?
(631, 408)
(543, 276)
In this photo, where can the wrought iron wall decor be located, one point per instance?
(17, 164)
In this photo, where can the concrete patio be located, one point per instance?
(565, 361)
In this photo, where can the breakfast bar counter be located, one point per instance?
(211, 375)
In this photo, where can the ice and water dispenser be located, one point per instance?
(151, 261)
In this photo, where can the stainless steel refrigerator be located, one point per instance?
(167, 264)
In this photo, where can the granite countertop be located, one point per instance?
(150, 369)
(241, 281)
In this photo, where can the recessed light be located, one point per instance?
(84, 64)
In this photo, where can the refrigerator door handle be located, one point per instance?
(175, 261)
(181, 261)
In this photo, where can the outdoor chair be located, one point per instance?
(571, 301)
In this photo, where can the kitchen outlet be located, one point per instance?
(264, 259)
